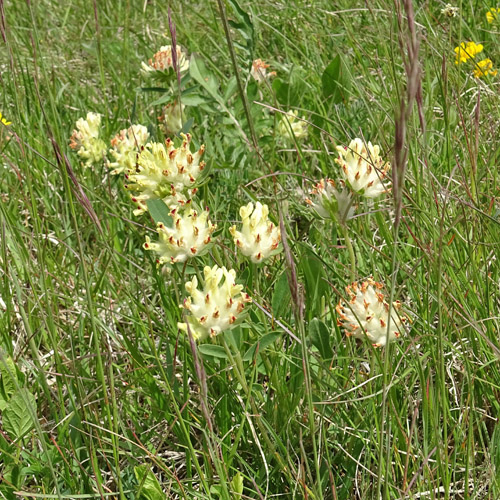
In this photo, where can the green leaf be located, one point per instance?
(321, 338)
(159, 212)
(215, 351)
(244, 27)
(207, 80)
(265, 341)
(336, 81)
(281, 296)
(8, 376)
(194, 99)
(237, 485)
(149, 487)
(162, 100)
(18, 416)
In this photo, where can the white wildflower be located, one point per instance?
(289, 124)
(85, 140)
(217, 307)
(259, 238)
(126, 146)
(330, 203)
(363, 169)
(366, 314)
(188, 237)
(165, 172)
(163, 61)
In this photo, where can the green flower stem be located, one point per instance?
(350, 249)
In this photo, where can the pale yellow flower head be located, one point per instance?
(126, 146)
(259, 238)
(85, 139)
(259, 71)
(484, 68)
(329, 203)
(289, 124)
(171, 118)
(3, 120)
(189, 236)
(165, 172)
(366, 314)
(363, 169)
(215, 308)
(163, 61)
(492, 15)
(467, 51)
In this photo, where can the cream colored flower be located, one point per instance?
(126, 146)
(259, 237)
(259, 71)
(188, 237)
(484, 68)
(165, 172)
(163, 61)
(363, 169)
(450, 11)
(85, 139)
(366, 314)
(330, 203)
(217, 307)
(289, 124)
(171, 118)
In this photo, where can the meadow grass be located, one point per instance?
(101, 395)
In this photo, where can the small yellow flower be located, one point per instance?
(217, 307)
(126, 145)
(259, 237)
(289, 124)
(164, 172)
(85, 139)
(363, 168)
(484, 68)
(259, 71)
(171, 118)
(467, 51)
(188, 237)
(492, 15)
(330, 203)
(3, 120)
(163, 61)
(366, 314)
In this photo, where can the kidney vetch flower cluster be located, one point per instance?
(125, 147)
(163, 61)
(259, 238)
(217, 307)
(85, 140)
(189, 236)
(165, 172)
(366, 314)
